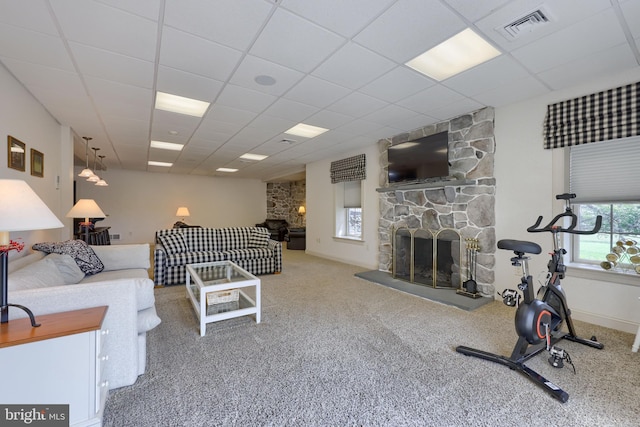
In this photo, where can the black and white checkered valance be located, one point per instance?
(611, 114)
(349, 169)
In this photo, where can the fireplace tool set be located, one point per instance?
(469, 287)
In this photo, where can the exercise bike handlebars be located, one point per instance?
(552, 227)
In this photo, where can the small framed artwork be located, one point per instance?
(16, 153)
(37, 163)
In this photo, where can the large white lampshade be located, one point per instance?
(85, 208)
(21, 209)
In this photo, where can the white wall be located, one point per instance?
(527, 180)
(24, 118)
(321, 213)
(139, 203)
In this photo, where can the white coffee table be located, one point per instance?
(206, 277)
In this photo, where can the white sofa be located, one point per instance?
(47, 284)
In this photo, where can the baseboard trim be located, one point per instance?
(342, 260)
(607, 322)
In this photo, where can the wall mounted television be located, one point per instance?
(423, 159)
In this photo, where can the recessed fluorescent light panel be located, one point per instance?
(250, 156)
(163, 164)
(226, 170)
(166, 145)
(180, 104)
(306, 131)
(459, 53)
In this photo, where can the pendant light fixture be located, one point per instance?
(102, 182)
(86, 172)
(94, 177)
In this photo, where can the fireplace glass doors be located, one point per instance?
(427, 258)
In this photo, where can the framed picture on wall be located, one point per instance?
(16, 153)
(37, 163)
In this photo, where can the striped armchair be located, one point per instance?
(249, 247)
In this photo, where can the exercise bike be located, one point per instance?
(539, 318)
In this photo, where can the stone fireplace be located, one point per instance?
(457, 208)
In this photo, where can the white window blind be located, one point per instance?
(352, 194)
(607, 171)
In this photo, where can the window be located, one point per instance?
(603, 176)
(354, 222)
(619, 234)
(348, 206)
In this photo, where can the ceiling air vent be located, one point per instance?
(526, 24)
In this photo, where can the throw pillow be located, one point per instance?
(173, 243)
(259, 238)
(40, 274)
(67, 267)
(82, 254)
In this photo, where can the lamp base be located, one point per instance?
(4, 285)
(5, 314)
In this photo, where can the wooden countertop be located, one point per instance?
(55, 325)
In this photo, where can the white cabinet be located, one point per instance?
(60, 362)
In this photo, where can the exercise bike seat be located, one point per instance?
(519, 246)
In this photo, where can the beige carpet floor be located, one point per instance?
(337, 350)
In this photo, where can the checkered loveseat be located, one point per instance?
(249, 247)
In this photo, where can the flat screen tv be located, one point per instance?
(424, 159)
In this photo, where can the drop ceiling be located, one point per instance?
(97, 65)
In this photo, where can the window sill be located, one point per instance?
(348, 239)
(594, 272)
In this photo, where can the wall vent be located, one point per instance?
(114, 237)
(526, 24)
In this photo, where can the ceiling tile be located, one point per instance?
(430, 99)
(509, 93)
(601, 64)
(36, 48)
(290, 110)
(113, 66)
(35, 17)
(571, 43)
(119, 99)
(92, 23)
(185, 84)
(317, 92)
(474, 10)
(300, 53)
(485, 76)
(562, 14)
(329, 119)
(631, 9)
(252, 67)
(409, 28)
(146, 8)
(353, 66)
(196, 55)
(344, 17)
(356, 105)
(398, 83)
(233, 23)
(272, 124)
(245, 99)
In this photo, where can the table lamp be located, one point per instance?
(85, 208)
(20, 210)
(182, 212)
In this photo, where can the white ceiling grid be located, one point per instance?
(96, 67)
